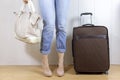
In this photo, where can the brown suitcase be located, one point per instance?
(90, 46)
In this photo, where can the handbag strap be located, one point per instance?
(30, 6)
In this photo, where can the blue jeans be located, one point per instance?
(54, 14)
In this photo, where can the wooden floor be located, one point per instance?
(34, 73)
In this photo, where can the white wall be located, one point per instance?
(14, 52)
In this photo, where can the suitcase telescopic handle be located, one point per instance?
(86, 13)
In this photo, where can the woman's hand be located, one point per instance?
(25, 1)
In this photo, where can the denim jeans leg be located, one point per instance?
(61, 18)
(47, 9)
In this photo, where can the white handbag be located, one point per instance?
(28, 25)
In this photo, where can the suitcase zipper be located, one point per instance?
(91, 37)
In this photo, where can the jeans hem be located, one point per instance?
(61, 50)
(45, 52)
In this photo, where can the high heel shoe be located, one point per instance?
(59, 72)
(47, 73)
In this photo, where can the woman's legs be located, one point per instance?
(61, 18)
(60, 69)
(45, 66)
(48, 14)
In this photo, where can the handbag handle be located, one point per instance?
(30, 6)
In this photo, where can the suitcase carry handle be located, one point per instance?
(86, 13)
(84, 25)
